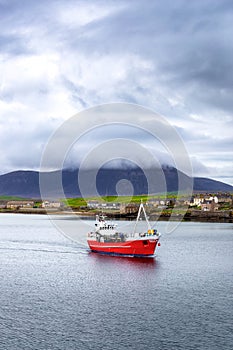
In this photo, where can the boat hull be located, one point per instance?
(137, 247)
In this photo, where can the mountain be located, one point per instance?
(26, 183)
(20, 183)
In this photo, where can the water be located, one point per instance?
(55, 294)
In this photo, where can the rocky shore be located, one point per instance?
(197, 215)
(190, 215)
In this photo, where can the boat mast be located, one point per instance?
(141, 208)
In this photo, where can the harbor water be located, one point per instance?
(55, 294)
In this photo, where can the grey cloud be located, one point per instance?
(12, 44)
(175, 57)
(188, 43)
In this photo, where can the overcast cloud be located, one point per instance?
(174, 57)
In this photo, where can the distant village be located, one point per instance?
(219, 205)
(202, 202)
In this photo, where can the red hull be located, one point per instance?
(135, 247)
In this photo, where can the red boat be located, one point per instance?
(107, 240)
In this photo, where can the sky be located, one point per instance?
(58, 58)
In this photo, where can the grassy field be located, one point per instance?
(79, 202)
(11, 198)
(82, 202)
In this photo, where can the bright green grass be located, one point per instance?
(75, 202)
(79, 202)
(12, 198)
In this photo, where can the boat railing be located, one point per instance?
(148, 233)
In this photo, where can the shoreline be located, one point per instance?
(190, 216)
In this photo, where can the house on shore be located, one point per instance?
(130, 208)
(209, 205)
(20, 204)
(92, 204)
(51, 204)
(104, 206)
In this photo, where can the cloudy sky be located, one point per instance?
(60, 57)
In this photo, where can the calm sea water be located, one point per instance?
(55, 294)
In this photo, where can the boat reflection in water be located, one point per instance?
(106, 259)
